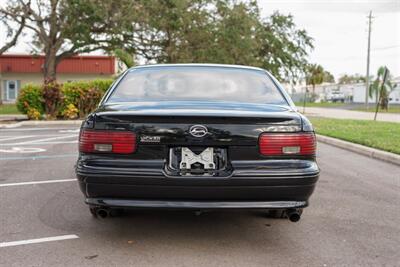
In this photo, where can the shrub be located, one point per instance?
(33, 114)
(52, 96)
(30, 96)
(85, 95)
(71, 93)
(88, 101)
(69, 100)
(70, 112)
(101, 84)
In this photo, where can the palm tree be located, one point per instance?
(381, 87)
(315, 75)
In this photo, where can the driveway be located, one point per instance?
(353, 218)
(350, 114)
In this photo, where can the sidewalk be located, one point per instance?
(350, 114)
(12, 117)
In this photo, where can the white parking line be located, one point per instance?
(23, 150)
(15, 137)
(35, 157)
(9, 135)
(51, 140)
(37, 240)
(47, 139)
(38, 182)
(42, 143)
(69, 131)
(35, 129)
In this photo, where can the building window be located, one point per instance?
(12, 88)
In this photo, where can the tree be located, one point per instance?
(12, 34)
(315, 75)
(328, 77)
(284, 47)
(63, 28)
(236, 34)
(219, 31)
(173, 31)
(381, 88)
(168, 31)
(124, 57)
(355, 78)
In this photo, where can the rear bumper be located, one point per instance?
(182, 204)
(261, 187)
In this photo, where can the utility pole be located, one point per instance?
(368, 56)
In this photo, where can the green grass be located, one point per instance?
(391, 109)
(6, 109)
(322, 104)
(376, 134)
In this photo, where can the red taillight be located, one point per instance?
(91, 141)
(287, 144)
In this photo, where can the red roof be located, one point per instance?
(76, 64)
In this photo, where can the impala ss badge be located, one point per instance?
(198, 130)
(150, 139)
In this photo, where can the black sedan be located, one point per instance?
(197, 136)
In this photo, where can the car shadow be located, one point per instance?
(68, 213)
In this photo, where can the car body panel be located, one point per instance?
(148, 178)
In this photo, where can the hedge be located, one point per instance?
(30, 97)
(69, 100)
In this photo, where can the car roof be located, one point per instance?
(197, 65)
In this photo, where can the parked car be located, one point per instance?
(197, 136)
(335, 97)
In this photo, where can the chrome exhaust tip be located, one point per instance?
(293, 215)
(102, 213)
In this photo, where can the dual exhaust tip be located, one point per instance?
(293, 215)
(102, 213)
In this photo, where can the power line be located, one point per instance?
(385, 47)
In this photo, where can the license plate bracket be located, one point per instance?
(189, 158)
(198, 161)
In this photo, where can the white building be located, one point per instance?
(353, 92)
(359, 93)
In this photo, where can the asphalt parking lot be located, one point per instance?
(353, 219)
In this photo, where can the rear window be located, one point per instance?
(197, 83)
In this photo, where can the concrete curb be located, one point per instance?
(360, 149)
(40, 123)
(12, 117)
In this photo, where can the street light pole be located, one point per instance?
(368, 56)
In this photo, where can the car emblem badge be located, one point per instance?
(198, 130)
(150, 139)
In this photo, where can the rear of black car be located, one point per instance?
(192, 136)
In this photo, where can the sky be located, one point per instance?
(339, 29)
(340, 32)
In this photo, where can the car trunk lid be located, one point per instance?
(170, 122)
